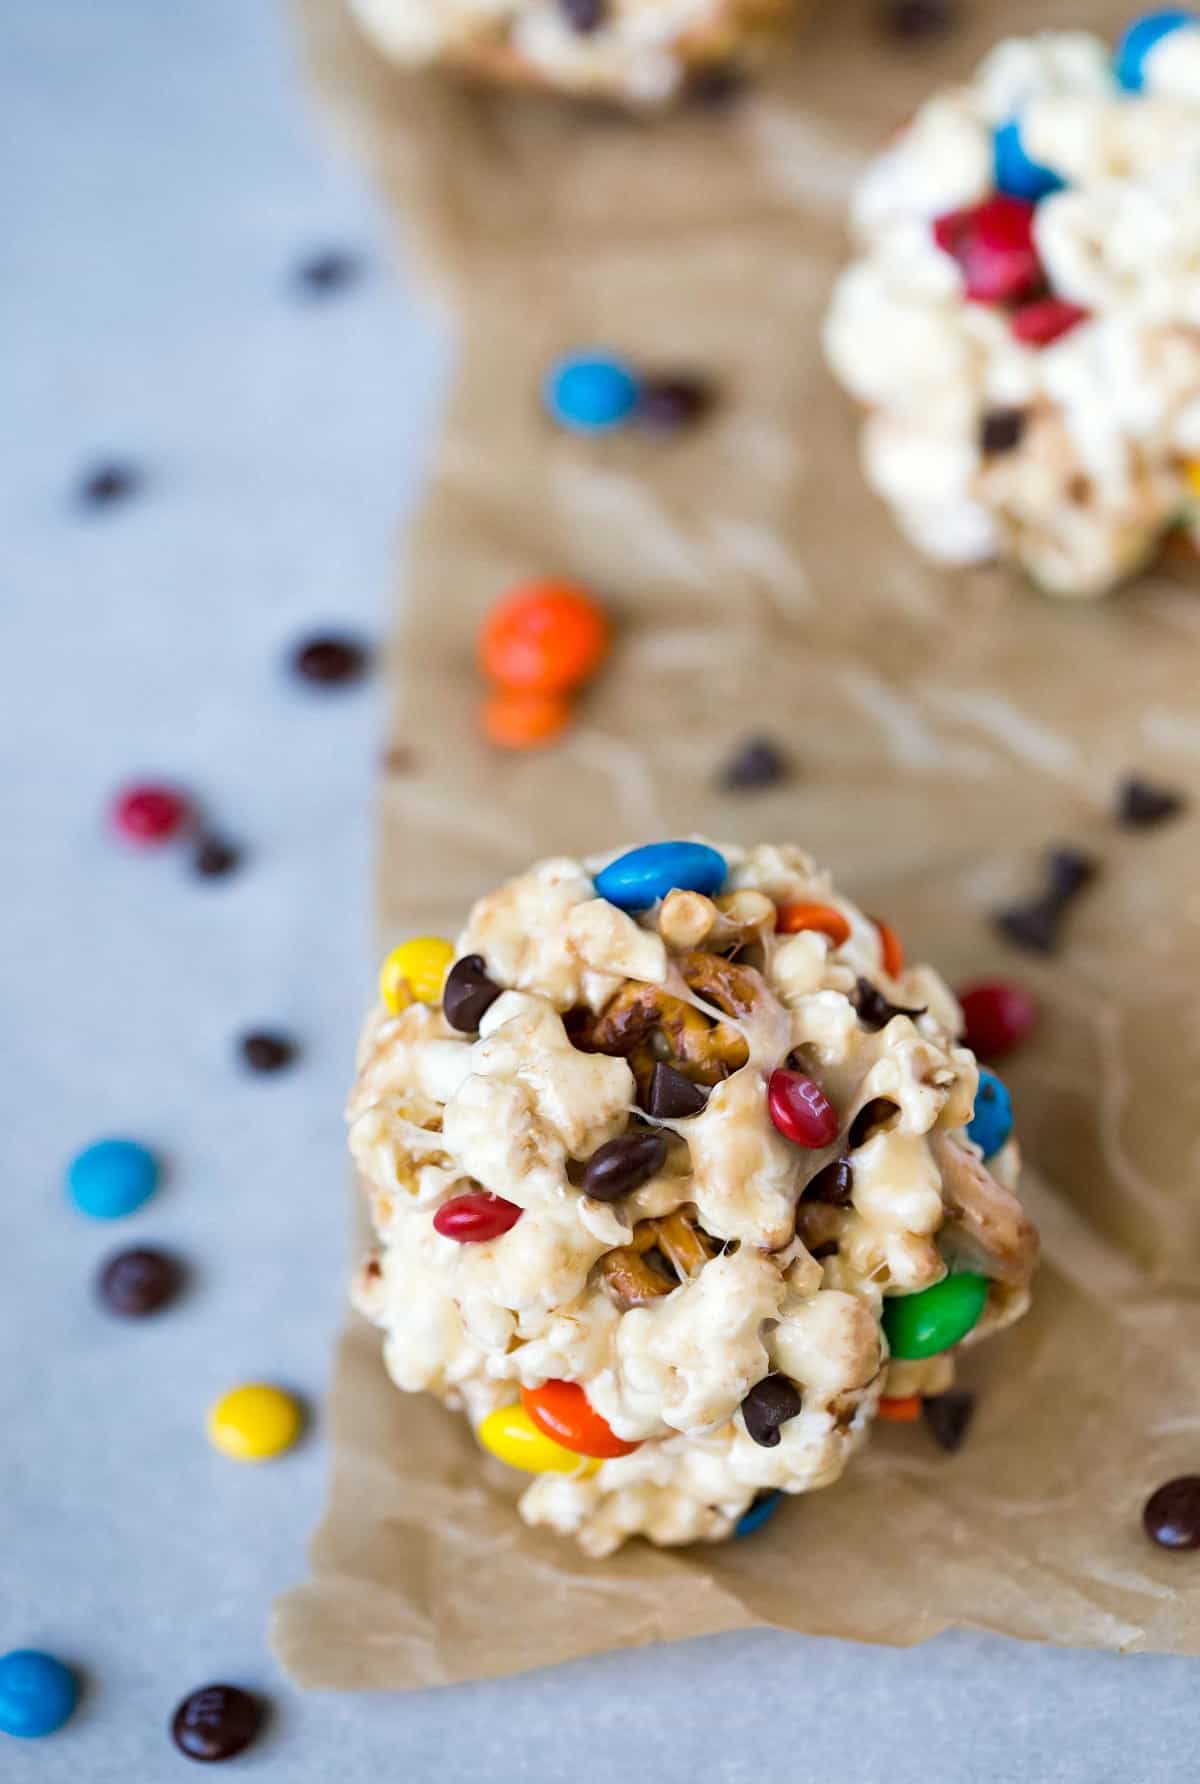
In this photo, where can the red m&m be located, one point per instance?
(475, 1217)
(800, 1109)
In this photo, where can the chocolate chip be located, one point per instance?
(915, 20)
(829, 1248)
(329, 660)
(623, 1165)
(139, 1281)
(1036, 925)
(1068, 871)
(107, 484)
(214, 856)
(770, 1403)
(1171, 1516)
(876, 1113)
(715, 89)
(584, 16)
(327, 272)
(874, 1009)
(757, 763)
(671, 405)
(1141, 804)
(833, 1183)
(216, 1722)
(673, 1097)
(1001, 430)
(948, 1417)
(468, 993)
(264, 1051)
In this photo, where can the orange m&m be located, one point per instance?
(543, 638)
(893, 949)
(901, 1411)
(523, 721)
(561, 1410)
(792, 918)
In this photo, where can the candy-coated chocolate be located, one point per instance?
(904, 1409)
(112, 1178)
(1171, 1515)
(997, 1017)
(992, 1122)
(761, 1509)
(149, 815)
(994, 247)
(1017, 173)
(620, 1166)
(543, 638)
(792, 918)
(927, 1323)
(415, 972)
(891, 948)
(637, 880)
(561, 1410)
(216, 1723)
(254, 1422)
(37, 1693)
(515, 721)
(512, 1437)
(800, 1109)
(1141, 37)
(591, 392)
(1046, 320)
(475, 1216)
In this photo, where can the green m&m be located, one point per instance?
(924, 1324)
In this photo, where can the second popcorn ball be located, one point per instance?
(681, 1171)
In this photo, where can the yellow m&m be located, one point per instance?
(415, 972)
(1191, 476)
(254, 1422)
(511, 1435)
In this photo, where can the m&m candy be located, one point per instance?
(924, 1324)
(543, 638)
(511, 1436)
(589, 393)
(254, 1422)
(561, 1410)
(760, 1510)
(637, 880)
(111, 1178)
(415, 972)
(37, 1693)
(1017, 173)
(1144, 35)
(992, 1122)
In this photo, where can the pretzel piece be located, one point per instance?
(629, 1273)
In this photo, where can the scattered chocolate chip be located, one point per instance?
(715, 89)
(916, 20)
(770, 1403)
(833, 1183)
(1171, 1516)
(671, 405)
(214, 857)
(216, 1722)
(330, 661)
(584, 16)
(874, 1009)
(876, 1113)
(139, 1281)
(948, 1417)
(1068, 871)
(757, 763)
(672, 1097)
(468, 993)
(1001, 430)
(1141, 805)
(1036, 925)
(623, 1165)
(107, 484)
(264, 1051)
(399, 759)
(327, 272)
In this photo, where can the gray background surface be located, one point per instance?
(162, 178)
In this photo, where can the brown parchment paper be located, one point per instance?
(946, 727)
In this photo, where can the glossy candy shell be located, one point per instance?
(928, 1323)
(561, 1410)
(637, 880)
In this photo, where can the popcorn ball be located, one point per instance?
(1022, 322)
(634, 52)
(681, 1174)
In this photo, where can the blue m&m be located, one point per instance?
(635, 881)
(37, 1693)
(761, 1509)
(1017, 173)
(111, 1178)
(1142, 36)
(992, 1121)
(591, 392)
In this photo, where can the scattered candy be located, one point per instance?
(998, 1016)
(994, 247)
(1141, 38)
(833, 1183)
(924, 1324)
(891, 948)
(916, 20)
(875, 1011)
(468, 994)
(37, 1693)
(800, 1109)
(1171, 1516)
(639, 879)
(543, 638)
(992, 1122)
(1141, 805)
(793, 918)
(1037, 924)
(215, 857)
(149, 814)
(138, 1282)
(905, 1410)
(758, 763)
(262, 1050)
(415, 972)
(325, 273)
(948, 1417)
(512, 1437)
(330, 660)
(760, 1510)
(475, 1217)
(1046, 320)
(215, 1723)
(770, 1403)
(623, 1165)
(590, 393)
(112, 1178)
(561, 1410)
(672, 405)
(524, 721)
(254, 1422)
(1002, 430)
(672, 1097)
(107, 484)
(1017, 173)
